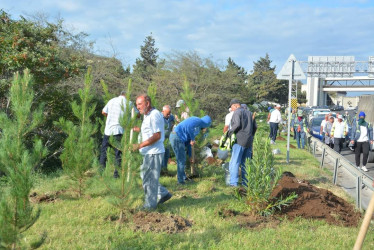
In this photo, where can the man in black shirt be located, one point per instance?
(244, 127)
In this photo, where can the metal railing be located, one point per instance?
(340, 161)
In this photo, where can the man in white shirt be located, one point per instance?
(228, 120)
(339, 131)
(152, 148)
(114, 111)
(275, 119)
(323, 127)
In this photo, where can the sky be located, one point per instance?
(244, 30)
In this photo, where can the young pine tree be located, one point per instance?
(124, 189)
(151, 92)
(17, 161)
(79, 147)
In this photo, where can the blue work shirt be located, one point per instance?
(188, 129)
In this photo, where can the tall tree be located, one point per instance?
(146, 65)
(17, 161)
(264, 83)
(236, 69)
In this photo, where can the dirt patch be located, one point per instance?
(247, 220)
(280, 138)
(157, 222)
(315, 203)
(292, 146)
(211, 160)
(47, 197)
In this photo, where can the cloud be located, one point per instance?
(243, 30)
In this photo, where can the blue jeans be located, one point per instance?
(300, 135)
(179, 149)
(165, 160)
(273, 130)
(150, 174)
(239, 155)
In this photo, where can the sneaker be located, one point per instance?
(272, 142)
(165, 198)
(364, 169)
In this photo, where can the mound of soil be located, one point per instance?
(157, 222)
(315, 203)
(292, 146)
(280, 138)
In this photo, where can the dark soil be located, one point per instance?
(157, 222)
(315, 203)
(248, 220)
(280, 138)
(47, 197)
(292, 146)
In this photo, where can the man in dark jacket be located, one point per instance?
(244, 127)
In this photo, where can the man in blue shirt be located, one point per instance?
(183, 135)
(169, 121)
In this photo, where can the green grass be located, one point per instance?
(83, 223)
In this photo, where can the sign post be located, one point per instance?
(290, 71)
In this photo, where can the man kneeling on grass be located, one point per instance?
(152, 148)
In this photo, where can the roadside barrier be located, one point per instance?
(340, 161)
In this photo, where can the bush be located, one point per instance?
(262, 178)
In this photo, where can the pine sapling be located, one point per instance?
(79, 147)
(18, 161)
(124, 188)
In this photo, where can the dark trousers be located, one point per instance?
(338, 144)
(104, 147)
(273, 130)
(364, 148)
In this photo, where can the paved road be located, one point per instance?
(350, 156)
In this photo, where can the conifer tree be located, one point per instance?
(17, 161)
(151, 92)
(124, 188)
(79, 147)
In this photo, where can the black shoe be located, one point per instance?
(165, 198)
(115, 174)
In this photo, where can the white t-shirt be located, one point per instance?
(340, 128)
(153, 123)
(115, 110)
(275, 116)
(228, 119)
(363, 135)
(323, 125)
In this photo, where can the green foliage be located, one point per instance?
(151, 92)
(17, 161)
(79, 147)
(123, 189)
(265, 84)
(145, 66)
(262, 178)
(189, 98)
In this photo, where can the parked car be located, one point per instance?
(316, 112)
(315, 126)
(351, 108)
(336, 108)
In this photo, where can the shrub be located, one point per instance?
(262, 178)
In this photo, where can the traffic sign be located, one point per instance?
(286, 70)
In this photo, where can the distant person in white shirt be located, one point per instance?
(323, 127)
(114, 111)
(361, 138)
(275, 119)
(339, 131)
(228, 120)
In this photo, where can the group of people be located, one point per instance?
(334, 132)
(159, 132)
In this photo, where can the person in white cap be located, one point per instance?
(339, 131)
(183, 111)
(275, 119)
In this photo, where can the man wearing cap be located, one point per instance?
(361, 138)
(275, 119)
(184, 135)
(299, 127)
(183, 111)
(152, 149)
(244, 128)
(339, 131)
(114, 111)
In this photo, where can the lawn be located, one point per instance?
(72, 223)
